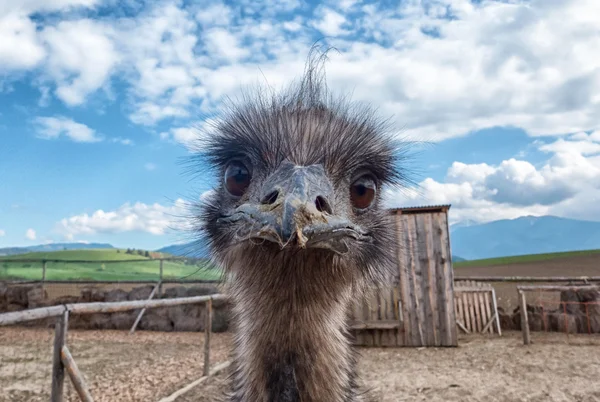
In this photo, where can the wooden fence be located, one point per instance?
(541, 288)
(62, 359)
(476, 308)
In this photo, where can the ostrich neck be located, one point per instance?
(291, 343)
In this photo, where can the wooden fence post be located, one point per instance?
(44, 275)
(524, 318)
(58, 369)
(207, 331)
(160, 278)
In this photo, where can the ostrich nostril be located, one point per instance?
(322, 205)
(270, 198)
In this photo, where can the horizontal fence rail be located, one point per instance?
(43, 260)
(109, 282)
(560, 288)
(101, 307)
(528, 278)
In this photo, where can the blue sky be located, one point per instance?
(100, 99)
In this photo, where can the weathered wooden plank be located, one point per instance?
(377, 324)
(485, 315)
(404, 244)
(355, 315)
(486, 301)
(58, 368)
(399, 315)
(449, 330)
(366, 314)
(417, 290)
(477, 309)
(75, 375)
(461, 313)
(467, 312)
(391, 308)
(429, 294)
(472, 312)
(384, 296)
(373, 316)
(440, 306)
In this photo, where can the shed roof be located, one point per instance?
(421, 209)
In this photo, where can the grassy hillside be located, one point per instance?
(523, 258)
(141, 270)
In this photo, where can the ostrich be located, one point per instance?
(297, 224)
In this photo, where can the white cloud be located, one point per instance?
(154, 218)
(581, 143)
(441, 68)
(81, 58)
(31, 6)
(149, 113)
(331, 22)
(2, 233)
(30, 234)
(567, 184)
(122, 141)
(54, 127)
(216, 14)
(150, 166)
(190, 136)
(19, 47)
(222, 43)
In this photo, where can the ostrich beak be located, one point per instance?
(296, 211)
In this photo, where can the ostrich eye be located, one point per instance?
(362, 192)
(237, 178)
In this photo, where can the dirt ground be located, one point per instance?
(506, 293)
(117, 366)
(149, 366)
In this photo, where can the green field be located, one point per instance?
(65, 270)
(524, 258)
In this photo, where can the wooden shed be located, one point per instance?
(417, 308)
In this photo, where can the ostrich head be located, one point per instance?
(296, 221)
(300, 176)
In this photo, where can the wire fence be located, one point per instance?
(571, 310)
(116, 270)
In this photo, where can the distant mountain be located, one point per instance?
(462, 224)
(524, 235)
(53, 247)
(192, 249)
